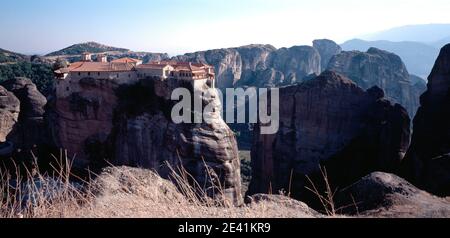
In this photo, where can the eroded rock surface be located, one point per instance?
(329, 120)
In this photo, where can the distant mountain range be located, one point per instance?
(417, 45)
(427, 33)
(73, 53)
(8, 56)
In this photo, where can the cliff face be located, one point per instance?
(85, 113)
(259, 65)
(232, 64)
(431, 138)
(327, 49)
(131, 125)
(328, 120)
(379, 68)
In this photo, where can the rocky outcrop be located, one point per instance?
(329, 120)
(386, 195)
(327, 49)
(9, 112)
(431, 138)
(259, 65)
(31, 130)
(131, 125)
(379, 68)
(146, 137)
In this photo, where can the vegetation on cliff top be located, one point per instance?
(33, 67)
(92, 47)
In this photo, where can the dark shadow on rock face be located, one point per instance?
(329, 121)
(144, 135)
(427, 162)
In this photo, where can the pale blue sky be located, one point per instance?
(179, 26)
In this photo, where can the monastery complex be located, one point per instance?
(128, 71)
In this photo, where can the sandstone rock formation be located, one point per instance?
(379, 68)
(327, 49)
(131, 125)
(232, 64)
(259, 65)
(331, 120)
(145, 136)
(431, 138)
(386, 195)
(31, 130)
(9, 112)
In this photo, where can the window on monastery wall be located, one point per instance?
(79, 74)
(89, 73)
(98, 73)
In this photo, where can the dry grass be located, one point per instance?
(36, 194)
(129, 192)
(327, 196)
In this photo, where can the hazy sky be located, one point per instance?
(179, 26)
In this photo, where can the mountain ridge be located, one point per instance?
(91, 46)
(426, 33)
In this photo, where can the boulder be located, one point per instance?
(387, 195)
(31, 131)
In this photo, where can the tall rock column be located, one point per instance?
(144, 135)
(329, 121)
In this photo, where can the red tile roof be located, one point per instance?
(126, 60)
(151, 66)
(100, 67)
